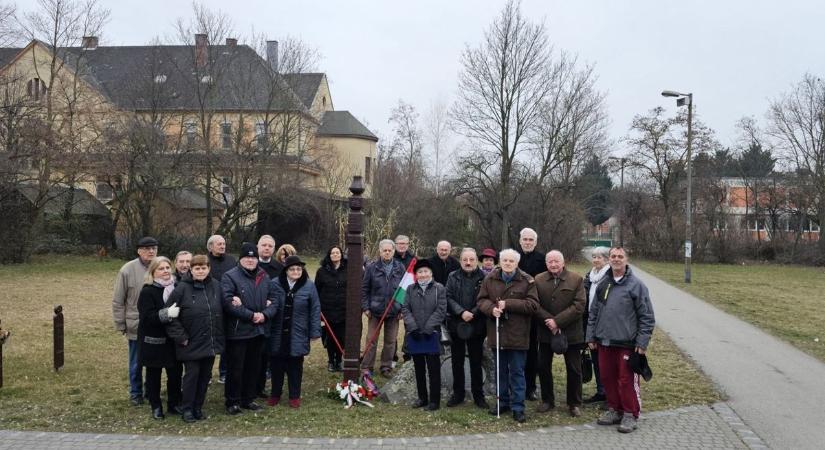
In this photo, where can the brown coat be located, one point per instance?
(521, 303)
(564, 302)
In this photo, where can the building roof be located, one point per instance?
(7, 54)
(305, 85)
(187, 198)
(83, 203)
(164, 77)
(344, 124)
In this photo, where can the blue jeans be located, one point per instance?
(135, 371)
(512, 384)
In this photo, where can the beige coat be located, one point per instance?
(128, 284)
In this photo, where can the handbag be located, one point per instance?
(587, 366)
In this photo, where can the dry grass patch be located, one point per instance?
(90, 394)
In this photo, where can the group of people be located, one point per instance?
(261, 313)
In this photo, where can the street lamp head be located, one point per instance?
(671, 94)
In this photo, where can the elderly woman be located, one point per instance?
(424, 309)
(331, 282)
(198, 333)
(284, 252)
(599, 257)
(155, 350)
(297, 322)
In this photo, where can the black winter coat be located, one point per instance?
(443, 268)
(532, 263)
(155, 348)
(254, 291)
(272, 268)
(305, 323)
(200, 321)
(219, 266)
(462, 295)
(331, 284)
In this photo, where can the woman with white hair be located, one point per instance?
(599, 257)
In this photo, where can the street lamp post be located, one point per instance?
(682, 100)
(622, 162)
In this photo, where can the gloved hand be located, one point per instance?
(173, 311)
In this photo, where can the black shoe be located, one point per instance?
(519, 417)
(157, 413)
(419, 403)
(252, 406)
(531, 395)
(454, 401)
(233, 410)
(481, 403)
(188, 417)
(431, 407)
(330, 367)
(176, 410)
(503, 410)
(339, 366)
(199, 415)
(596, 398)
(136, 400)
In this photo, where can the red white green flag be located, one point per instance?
(409, 278)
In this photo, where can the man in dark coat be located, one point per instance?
(561, 307)
(532, 262)
(402, 250)
(509, 294)
(183, 261)
(219, 263)
(443, 263)
(462, 311)
(249, 301)
(266, 248)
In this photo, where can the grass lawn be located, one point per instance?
(786, 301)
(90, 394)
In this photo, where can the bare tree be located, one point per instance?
(797, 123)
(437, 131)
(502, 86)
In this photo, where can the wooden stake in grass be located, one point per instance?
(4, 334)
(58, 337)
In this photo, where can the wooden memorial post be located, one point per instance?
(355, 257)
(58, 337)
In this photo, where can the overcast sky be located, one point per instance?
(733, 55)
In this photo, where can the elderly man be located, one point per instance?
(509, 294)
(561, 306)
(467, 328)
(128, 284)
(443, 263)
(532, 262)
(266, 248)
(219, 263)
(183, 260)
(381, 279)
(620, 323)
(249, 302)
(402, 250)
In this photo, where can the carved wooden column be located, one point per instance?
(355, 258)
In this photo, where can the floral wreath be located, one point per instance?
(352, 394)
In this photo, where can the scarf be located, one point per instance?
(424, 284)
(507, 277)
(167, 285)
(596, 276)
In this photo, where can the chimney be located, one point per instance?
(272, 55)
(231, 43)
(89, 42)
(200, 50)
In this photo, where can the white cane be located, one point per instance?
(498, 400)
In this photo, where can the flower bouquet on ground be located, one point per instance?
(352, 394)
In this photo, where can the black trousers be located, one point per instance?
(243, 361)
(573, 365)
(474, 347)
(173, 380)
(424, 365)
(260, 382)
(196, 382)
(531, 366)
(333, 354)
(293, 368)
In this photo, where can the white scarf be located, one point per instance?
(595, 278)
(168, 286)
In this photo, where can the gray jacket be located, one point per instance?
(621, 314)
(424, 311)
(128, 285)
(379, 286)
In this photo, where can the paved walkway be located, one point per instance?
(776, 389)
(697, 427)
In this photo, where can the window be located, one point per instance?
(226, 135)
(261, 135)
(103, 192)
(324, 101)
(191, 131)
(368, 169)
(36, 89)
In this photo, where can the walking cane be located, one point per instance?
(498, 401)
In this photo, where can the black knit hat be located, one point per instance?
(422, 263)
(248, 249)
(147, 241)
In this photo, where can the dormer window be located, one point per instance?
(36, 89)
(324, 101)
(160, 79)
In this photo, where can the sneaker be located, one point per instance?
(331, 367)
(188, 417)
(610, 417)
(519, 417)
(272, 401)
(222, 379)
(233, 410)
(628, 424)
(596, 398)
